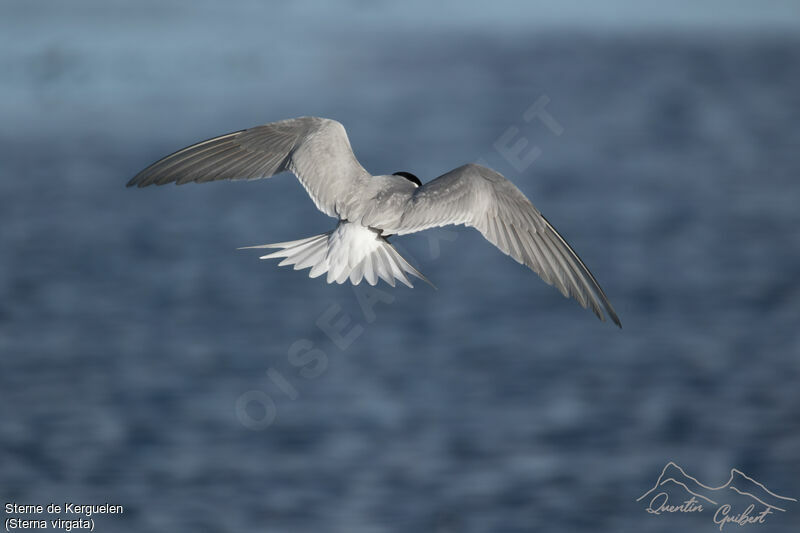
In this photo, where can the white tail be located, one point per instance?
(351, 251)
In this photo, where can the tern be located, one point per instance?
(370, 209)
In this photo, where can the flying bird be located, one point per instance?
(370, 209)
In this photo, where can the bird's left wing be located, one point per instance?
(314, 149)
(477, 196)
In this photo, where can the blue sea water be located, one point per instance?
(131, 327)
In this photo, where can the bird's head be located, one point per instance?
(410, 177)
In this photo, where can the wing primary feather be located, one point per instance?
(517, 254)
(165, 164)
(210, 165)
(585, 290)
(570, 285)
(533, 255)
(606, 303)
(184, 168)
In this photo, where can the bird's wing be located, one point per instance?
(482, 198)
(315, 149)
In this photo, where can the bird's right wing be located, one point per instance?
(477, 196)
(316, 150)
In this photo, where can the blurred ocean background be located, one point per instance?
(130, 326)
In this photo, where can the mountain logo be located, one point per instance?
(741, 500)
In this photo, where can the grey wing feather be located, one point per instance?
(482, 198)
(316, 150)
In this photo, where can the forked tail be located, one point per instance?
(350, 251)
